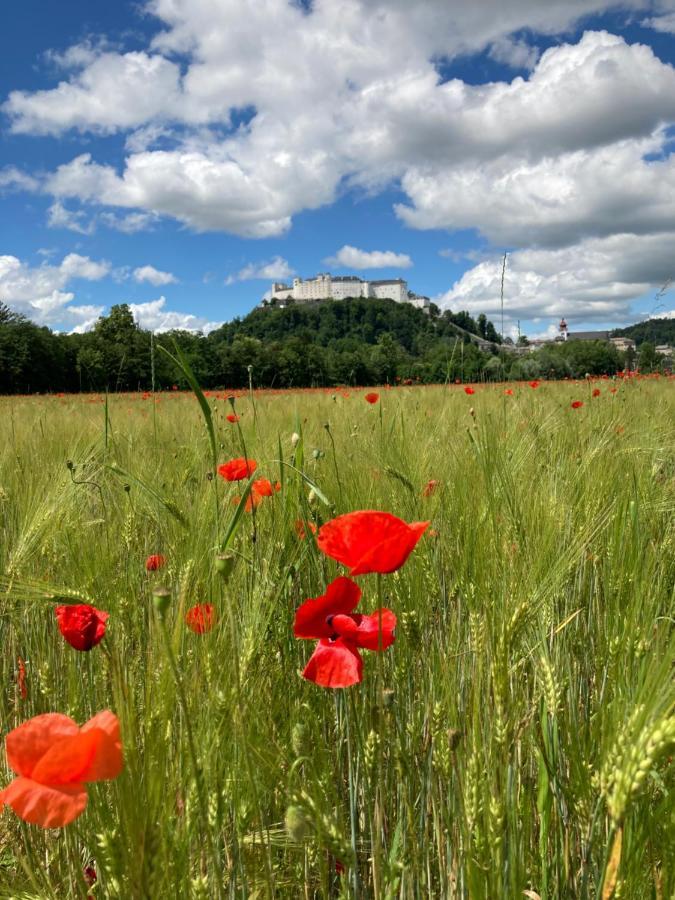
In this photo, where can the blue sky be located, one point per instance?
(179, 155)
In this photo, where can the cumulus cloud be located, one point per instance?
(276, 269)
(594, 280)
(131, 223)
(39, 292)
(352, 258)
(12, 178)
(153, 276)
(58, 216)
(155, 317)
(664, 23)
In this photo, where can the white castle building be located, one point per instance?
(339, 287)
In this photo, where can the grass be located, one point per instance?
(517, 736)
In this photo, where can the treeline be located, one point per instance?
(353, 342)
(654, 331)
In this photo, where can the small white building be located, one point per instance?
(338, 287)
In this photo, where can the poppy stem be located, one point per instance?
(346, 714)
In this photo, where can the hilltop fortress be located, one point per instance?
(338, 287)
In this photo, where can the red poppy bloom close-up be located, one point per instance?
(577, 404)
(232, 417)
(83, 626)
(154, 562)
(263, 487)
(341, 633)
(201, 618)
(370, 541)
(372, 397)
(237, 469)
(54, 760)
(469, 391)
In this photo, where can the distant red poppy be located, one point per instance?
(232, 417)
(469, 391)
(263, 487)
(154, 562)
(370, 541)
(508, 392)
(372, 397)
(596, 392)
(201, 618)
(534, 384)
(612, 390)
(21, 678)
(237, 469)
(174, 387)
(430, 487)
(302, 528)
(330, 619)
(82, 626)
(54, 759)
(577, 404)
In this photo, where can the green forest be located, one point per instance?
(351, 342)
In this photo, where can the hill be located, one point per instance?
(654, 331)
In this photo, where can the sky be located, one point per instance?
(180, 155)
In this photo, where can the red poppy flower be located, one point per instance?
(596, 392)
(301, 528)
(577, 404)
(330, 618)
(237, 469)
(54, 759)
(370, 541)
(508, 392)
(534, 384)
(201, 618)
(82, 625)
(263, 487)
(231, 417)
(372, 397)
(430, 487)
(154, 562)
(469, 390)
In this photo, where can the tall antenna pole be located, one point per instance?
(501, 293)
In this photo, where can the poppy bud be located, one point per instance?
(311, 499)
(225, 564)
(161, 597)
(295, 439)
(298, 824)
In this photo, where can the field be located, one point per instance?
(514, 741)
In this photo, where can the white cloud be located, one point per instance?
(592, 281)
(130, 223)
(664, 23)
(39, 292)
(515, 53)
(72, 220)
(12, 178)
(154, 317)
(153, 276)
(276, 269)
(352, 258)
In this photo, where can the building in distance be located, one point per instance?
(338, 287)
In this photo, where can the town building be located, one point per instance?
(338, 287)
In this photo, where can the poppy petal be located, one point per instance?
(28, 743)
(38, 804)
(390, 554)
(108, 760)
(342, 596)
(67, 760)
(364, 631)
(334, 664)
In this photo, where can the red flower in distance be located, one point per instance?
(596, 392)
(54, 759)
(508, 392)
(370, 541)
(469, 390)
(82, 626)
(430, 487)
(21, 679)
(372, 397)
(330, 619)
(534, 384)
(263, 487)
(577, 404)
(154, 562)
(201, 618)
(301, 528)
(231, 417)
(237, 469)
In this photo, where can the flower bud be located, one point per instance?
(225, 564)
(161, 598)
(311, 499)
(295, 439)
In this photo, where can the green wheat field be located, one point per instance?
(515, 741)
